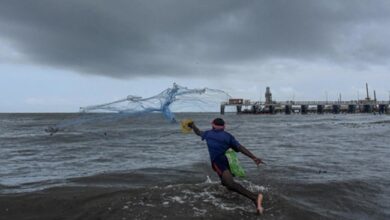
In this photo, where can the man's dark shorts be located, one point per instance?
(220, 164)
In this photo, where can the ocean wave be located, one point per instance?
(170, 194)
(381, 122)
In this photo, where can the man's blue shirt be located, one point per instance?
(218, 142)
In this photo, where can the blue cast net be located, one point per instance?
(174, 99)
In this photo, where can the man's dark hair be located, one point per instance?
(219, 122)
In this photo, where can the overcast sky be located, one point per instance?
(60, 55)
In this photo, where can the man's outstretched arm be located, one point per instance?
(196, 129)
(249, 154)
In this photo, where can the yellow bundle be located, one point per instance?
(184, 126)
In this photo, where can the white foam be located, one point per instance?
(199, 212)
(208, 180)
(177, 199)
(210, 192)
(253, 187)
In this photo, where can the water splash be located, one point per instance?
(175, 99)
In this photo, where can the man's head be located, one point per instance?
(218, 124)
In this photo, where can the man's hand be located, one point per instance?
(245, 151)
(257, 161)
(196, 129)
(191, 124)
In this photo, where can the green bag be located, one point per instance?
(234, 164)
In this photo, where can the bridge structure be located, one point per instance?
(366, 105)
(305, 107)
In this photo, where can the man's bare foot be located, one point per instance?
(259, 204)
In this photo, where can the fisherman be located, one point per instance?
(218, 142)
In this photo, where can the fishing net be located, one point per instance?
(174, 99)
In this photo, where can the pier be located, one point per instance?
(366, 105)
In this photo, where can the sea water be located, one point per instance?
(317, 166)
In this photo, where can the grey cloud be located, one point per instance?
(188, 38)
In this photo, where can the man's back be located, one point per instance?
(218, 142)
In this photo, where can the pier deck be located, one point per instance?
(366, 105)
(303, 107)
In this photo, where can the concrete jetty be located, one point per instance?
(366, 105)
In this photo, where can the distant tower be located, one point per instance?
(368, 96)
(268, 95)
(374, 96)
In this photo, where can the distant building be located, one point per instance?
(268, 96)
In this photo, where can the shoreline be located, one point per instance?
(158, 202)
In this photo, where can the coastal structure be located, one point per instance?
(270, 106)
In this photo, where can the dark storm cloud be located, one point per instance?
(179, 38)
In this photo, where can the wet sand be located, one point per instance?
(96, 203)
(104, 203)
(62, 203)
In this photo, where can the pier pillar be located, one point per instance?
(336, 109)
(304, 109)
(287, 109)
(383, 109)
(351, 109)
(239, 107)
(222, 109)
(271, 109)
(367, 108)
(320, 109)
(254, 109)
